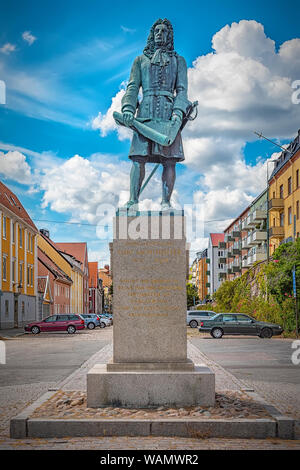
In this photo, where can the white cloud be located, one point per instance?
(105, 122)
(7, 48)
(28, 37)
(13, 166)
(79, 186)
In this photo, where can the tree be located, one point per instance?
(191, 294)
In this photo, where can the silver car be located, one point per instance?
(194, 317)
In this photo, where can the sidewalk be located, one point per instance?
(11, 333)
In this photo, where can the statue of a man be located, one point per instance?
(162, 74)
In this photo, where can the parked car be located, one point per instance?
(70, 323)
(194, 317)
(104, 321)
(91, 320)
(238, 324)
(109, 316)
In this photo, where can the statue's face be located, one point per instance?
(160, 34)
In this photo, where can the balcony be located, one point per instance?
(276, 232)
(259, 256)
(222, 245)
(245, 263)
(276, 204)
(222, 276)
(229, 270)
(236, 269)
(258, 237)
(207, 284)
(228, 237)
(248, 223)
(222, 260)
(259, 215)
(230, 253)
(236, 234)
(249, 261)
(245, 244)
(207, 273)
(236, 251)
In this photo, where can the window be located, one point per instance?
(28, 275)
(229, 318)
(13, 233)
(4, 227)
(28, 242)
(4, 267)
(6, 308)
(281, 192)
(31, 277)
(23, 309)
(49, 319)
(13, 271)
(243, 318)
(297, 210)
(21, 274)
(297, 179)
(289, 215)
(274, 222)
(282, 219)
(20, 237)
(290, 185)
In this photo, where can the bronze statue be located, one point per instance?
(162, 113)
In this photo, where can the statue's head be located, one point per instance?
(160, 36)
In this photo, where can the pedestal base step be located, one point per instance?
(150, 388)
(188, 365)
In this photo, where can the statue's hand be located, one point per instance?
(128, 118)
(176, 118)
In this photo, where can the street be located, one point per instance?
(263, 364)
(37, 363)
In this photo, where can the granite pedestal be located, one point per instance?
(150, 365)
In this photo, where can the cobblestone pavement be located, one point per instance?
(13, 399)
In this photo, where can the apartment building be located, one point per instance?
(54, 287)
(96, 299)
(77, 255)
(202, 273)
(246, 239)
(18, 262)
(216, 262)
(284, 197)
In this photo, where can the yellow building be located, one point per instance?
(69, 264)
(18, 256)
(284, 197)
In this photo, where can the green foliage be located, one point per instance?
(266, 291)
(191, 293)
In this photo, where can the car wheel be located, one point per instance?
(193, 324)
(35, 330)
(91, 326)
(266, 333)
(71, 329)
(102, 324)
(217, 333)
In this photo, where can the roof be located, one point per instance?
(105, 276)
(52, 267)
(93, 274)
(78, 250)
(216, 238)
(286, 156)
(11, 202)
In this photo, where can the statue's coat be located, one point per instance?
(164, 91)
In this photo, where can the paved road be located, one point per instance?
(49, 357)
(263, 364)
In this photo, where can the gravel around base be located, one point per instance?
(72, 405)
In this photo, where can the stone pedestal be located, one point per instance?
(150, 365)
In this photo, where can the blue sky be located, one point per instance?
(74, 59)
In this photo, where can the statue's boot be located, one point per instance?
(165, 205)
(134, 205)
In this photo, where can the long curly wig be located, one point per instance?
(169, 47)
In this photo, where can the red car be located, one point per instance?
(69, 323)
